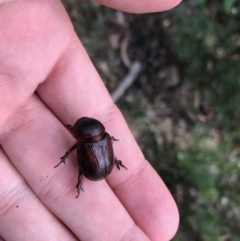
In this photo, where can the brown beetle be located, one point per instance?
(94, 150)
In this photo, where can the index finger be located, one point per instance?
(76, 90)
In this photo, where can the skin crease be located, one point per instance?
(45, 80)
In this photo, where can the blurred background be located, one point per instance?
(182, 103)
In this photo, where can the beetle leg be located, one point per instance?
(79, 183)
(69, 127)
(66, 154)
(113, 139)
(119, 163)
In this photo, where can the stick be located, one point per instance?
(127, 81)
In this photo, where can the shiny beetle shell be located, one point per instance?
(94, 150)
(86, 128)
(96, 159)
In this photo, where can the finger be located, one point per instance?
(33, 35)
(103, 107)
(35, 72)
(75, 91)
(143, 6)
(21, 211)
(34, 145)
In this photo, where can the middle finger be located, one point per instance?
(35, 144)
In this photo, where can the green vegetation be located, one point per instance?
(187, 125)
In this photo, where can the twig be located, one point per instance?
(123, 52)
(127, 81)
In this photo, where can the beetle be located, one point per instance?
(95, 154)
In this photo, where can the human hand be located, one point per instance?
(40, 52)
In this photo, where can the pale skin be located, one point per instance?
(47, 80)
